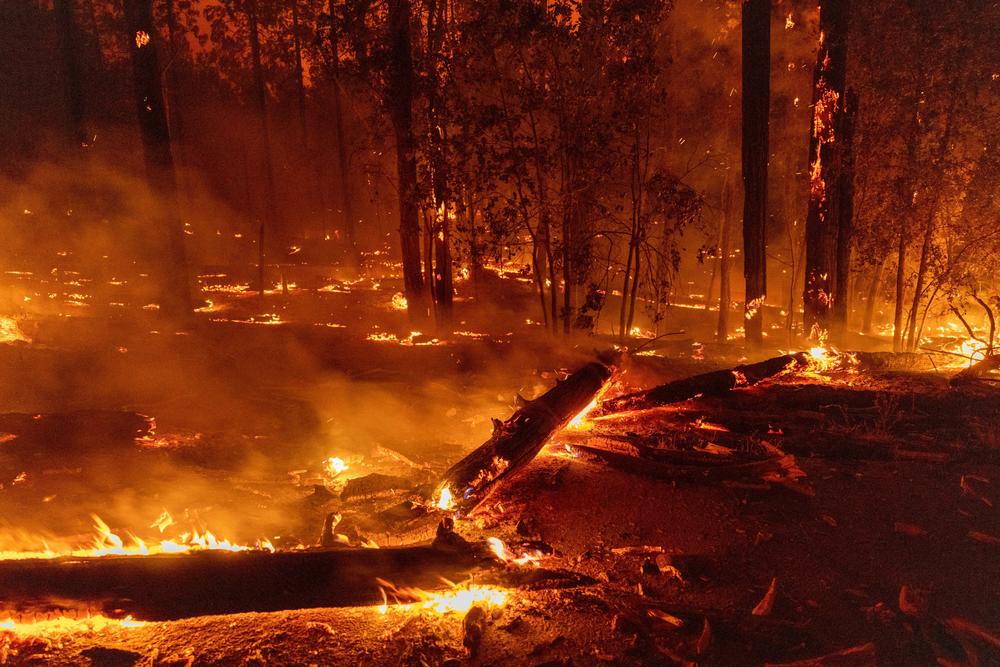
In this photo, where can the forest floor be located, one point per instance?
(888, 548)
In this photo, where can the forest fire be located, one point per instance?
(571, 332)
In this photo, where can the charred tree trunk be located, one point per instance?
(343, 161)
(756, 106)
(441, 237)
(69, 40)
(518, 440)
(152, 117)
(399, 99)
(268, 226)
(824, 163)
(845, 216)
(171, 586)
(713, 383)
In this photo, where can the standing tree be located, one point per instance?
(824, 163)
(756, 106)
(69, 51)
(399, 99)
(152, 116)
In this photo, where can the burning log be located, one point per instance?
(706, 384)
(170, 586)
(518, 440)
(976, 370)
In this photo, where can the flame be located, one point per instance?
(444, 500)
(109, 543)
(334, 466)
(67, 625)
(458, 599)
(498, 547)
(398, 301)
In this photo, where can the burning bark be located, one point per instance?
(518, 440)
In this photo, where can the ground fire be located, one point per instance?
(548, 332)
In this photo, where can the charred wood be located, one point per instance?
(518, 440)
(170, 586)
(706, 384)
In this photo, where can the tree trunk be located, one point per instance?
(69, 39)
(269, 223)
(845, 217)
(756, 106)
(343, 174)
(897, 320)
(872, 296)
(725, 292)
(399, 99)
(152, 117)
(824, 163)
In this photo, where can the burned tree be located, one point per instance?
(152, 116)
(825, 154)
(399, 99)
(756, 105)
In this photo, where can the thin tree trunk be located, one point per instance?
(152, 117)
(756, 106)
(725, 295)
(824, 163)
(897, 320)
(872, 296)
(399, 99)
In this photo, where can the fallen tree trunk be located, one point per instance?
(170, 586)
(518, 440)
(706, 384)
(976, 370)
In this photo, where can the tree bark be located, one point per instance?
(872, 297)
(399, 99)
(756, 107)
(824, 163)
(153, 127)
